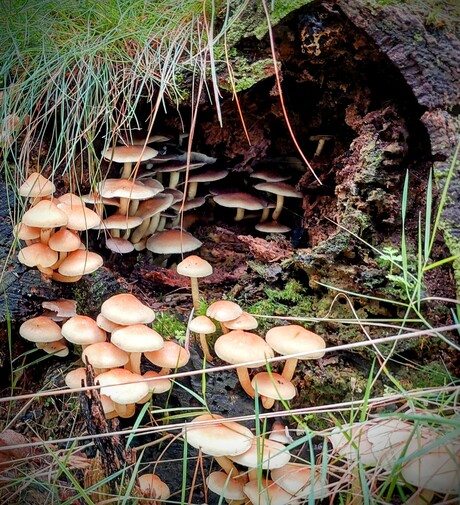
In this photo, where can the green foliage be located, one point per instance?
(169, 326)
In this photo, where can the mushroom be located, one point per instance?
(38, 255)
(42, 331)
(203, 326)
(103, 356)
(281, 190)
(293, 339)
(267, 493)
(296, 479)
(240, 346)
(129, 155)
(263, 453)
(150, 210)
(207, 175)
(245, 321)
(174, 168)
(173, 242)
(170, 356)
(224, 310)
(83, 330)
(240, 201)
(321, 139)
(126, 309)
(225, 486)
(47, 216)
(36, 187)
(194, 267)
(136, 339)
(272, 227)
(79, 263)
(218, 439)
(153, 487)
(157, 384)
(271, 387)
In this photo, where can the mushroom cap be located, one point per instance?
(208, 175)
(274, 386)
(177, 165)
(152, 485)
(80, 262)
(269, 174)
(171, 355)
(106, 324)
(202, 324)
(269, 493)
(69, 199)
(64, 241)
(125, 188)
(221, 484)
(58, 348)
(37, 254)
(244, 322)
(36, 186)
(279, 188)
(351, 442)
(293, 338)
(122, 386)
(133, 153)
(296, 479)
(119, 245)
(104, 355)
(172, 242)
(23, 232)
(137, 338)
(40, 329)
(240, 200)
(63, 308)
(45, 214)
(126, 309)
(120, 222)
(263, 452)
(154, 205)
(194, 203)
(272, 227)
(82, 330)
(219, 439)
(194, 266)
(159, 385)
(79, 217)
(74, 377)
(224, 310)
(238, 346)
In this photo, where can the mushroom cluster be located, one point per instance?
(51, 230)
(242, 456)
(113, 344)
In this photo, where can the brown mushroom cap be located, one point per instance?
(137, 338)
(292, 339)
(219, 439)
(82, 330)
(265, 453)
(122, 386)
(272, 227)
(120, 222)
(126, 309)
(273, 385)
(171, 355)
(74, 378)
(240, 200)
(279, 188)
(224, 310)
(202, 324)
(36, 186)
(244, 322)
(23, 232)
(104, 355)
(45, 214)
(154, 205)
(267, 493)
(119, 245)
(79, 217)
(194, 266)
(269, 174)
(296, 479)
(64, 241)
(152, 486)
(40, 329)
(132, 153)
(172, 242)
(221, 484)
(37, 254)
(159, 385)
(80, 262)
(125, 188)
(240, 346)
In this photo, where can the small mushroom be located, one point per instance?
(281, 190)
(194, 267)
(203, 326)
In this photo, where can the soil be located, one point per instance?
(339, 78)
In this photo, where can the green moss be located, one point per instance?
(430, 376)
(247, 73)
(169, 326)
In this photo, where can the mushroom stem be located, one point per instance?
(124, 206)
(278, 208)
(174, 179)
(126, 172)
(192, 190)
(267, 402)
(245, 381)
(227, 465)
(289, 369)
(195, 293)
(205, 347)
(223, 328)
(139, 232)
(134, 363)
(45, 235)
(133, 206)
(125, 411)
(265, 214)
(239, 214)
